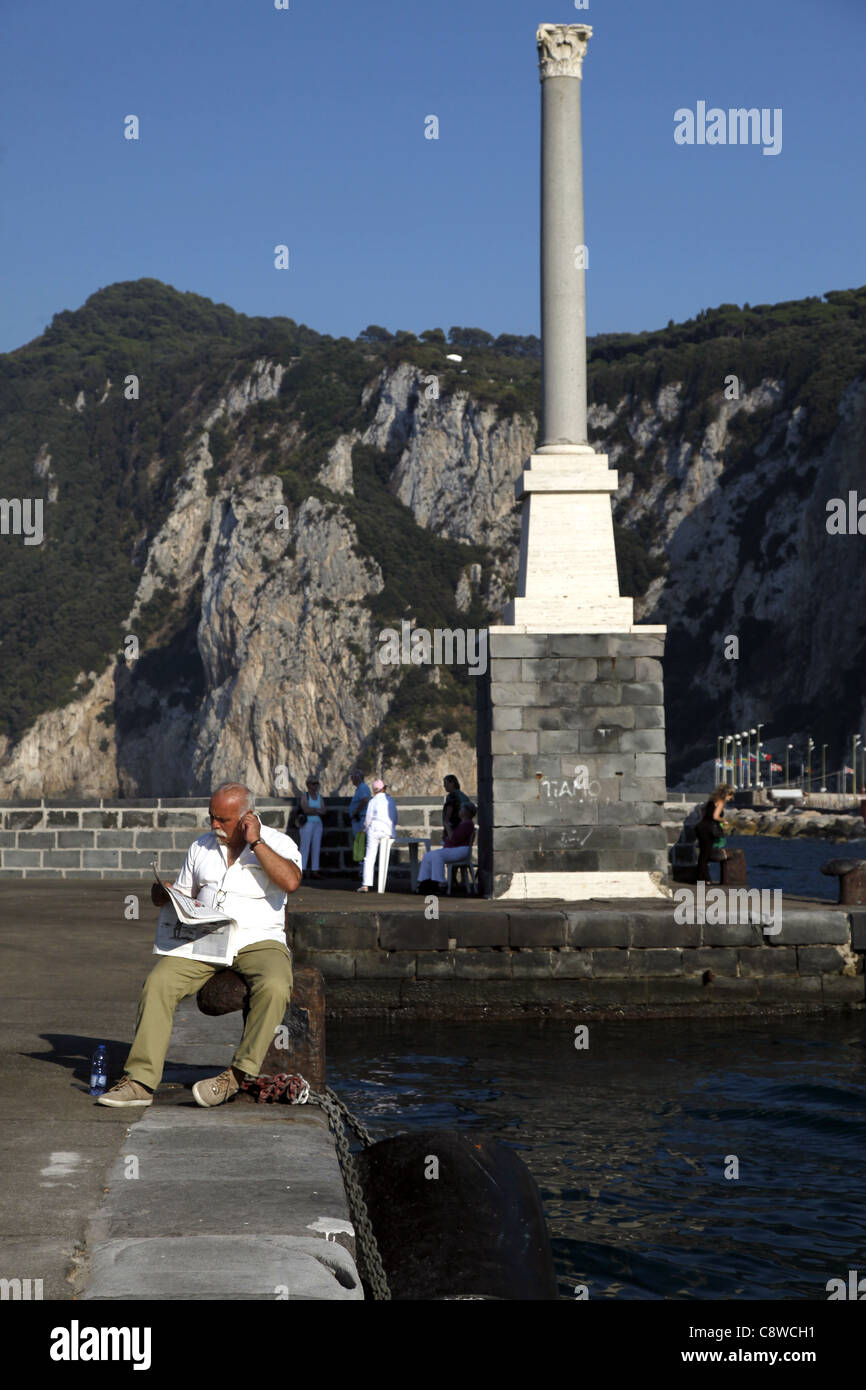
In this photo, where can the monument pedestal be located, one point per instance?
(571, 765)
(567, 578)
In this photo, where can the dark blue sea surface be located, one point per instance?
(794, 865)
(629, 1139)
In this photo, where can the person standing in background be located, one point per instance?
(358, 808)
(313, 807)
(358, 804)
(710, 835)
(380, 823)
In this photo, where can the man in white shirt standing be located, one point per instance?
(247, 869)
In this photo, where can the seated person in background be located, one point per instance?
(457, 849)
(454, 799)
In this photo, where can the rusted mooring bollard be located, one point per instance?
(299, 1044)
(851, 874)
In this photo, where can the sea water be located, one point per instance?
(630, 1140)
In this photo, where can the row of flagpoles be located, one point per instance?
(741, 764)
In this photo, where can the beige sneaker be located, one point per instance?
(216, 1089)
(126, 1092)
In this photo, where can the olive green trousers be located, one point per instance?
(266, 966)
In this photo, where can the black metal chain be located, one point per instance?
(295, 1090)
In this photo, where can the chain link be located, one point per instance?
(293, 1088)
(369, 1258)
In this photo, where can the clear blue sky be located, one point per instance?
(306, 126)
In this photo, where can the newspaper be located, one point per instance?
(188, 928)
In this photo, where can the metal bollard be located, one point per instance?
(303, 1022)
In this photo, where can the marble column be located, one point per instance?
(561, 50)
(567, 575)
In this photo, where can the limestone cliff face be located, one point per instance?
(263, 669)
(458, 461)
(749, 557)
(259, 663)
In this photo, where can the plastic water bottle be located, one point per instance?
(99, 1070)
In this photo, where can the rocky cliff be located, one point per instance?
(292, 504)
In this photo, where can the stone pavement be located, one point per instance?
(241, 1202)
(71, 966)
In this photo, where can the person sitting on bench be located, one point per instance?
(457, 849)
(248, 869)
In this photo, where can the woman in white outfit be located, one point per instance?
(380, 823)
(313, 807)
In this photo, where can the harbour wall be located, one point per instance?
(113, 838)
(570, 962)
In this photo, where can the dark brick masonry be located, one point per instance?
(548, 705)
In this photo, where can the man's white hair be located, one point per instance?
(248, 802)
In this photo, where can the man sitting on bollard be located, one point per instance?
(247, 869)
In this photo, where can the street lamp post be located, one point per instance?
(747, 737)
(738, 761)
(854, 742)
(810, 745)
(787, 765)
(824, 747)
(760, 781)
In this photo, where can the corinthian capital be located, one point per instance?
(561, 48)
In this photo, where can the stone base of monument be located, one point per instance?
(571, 767)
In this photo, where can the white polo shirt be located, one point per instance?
(253, 899)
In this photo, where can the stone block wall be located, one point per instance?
(119, 838)
(552, 704)
(485, 962)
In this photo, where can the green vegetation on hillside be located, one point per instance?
(115, 465)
